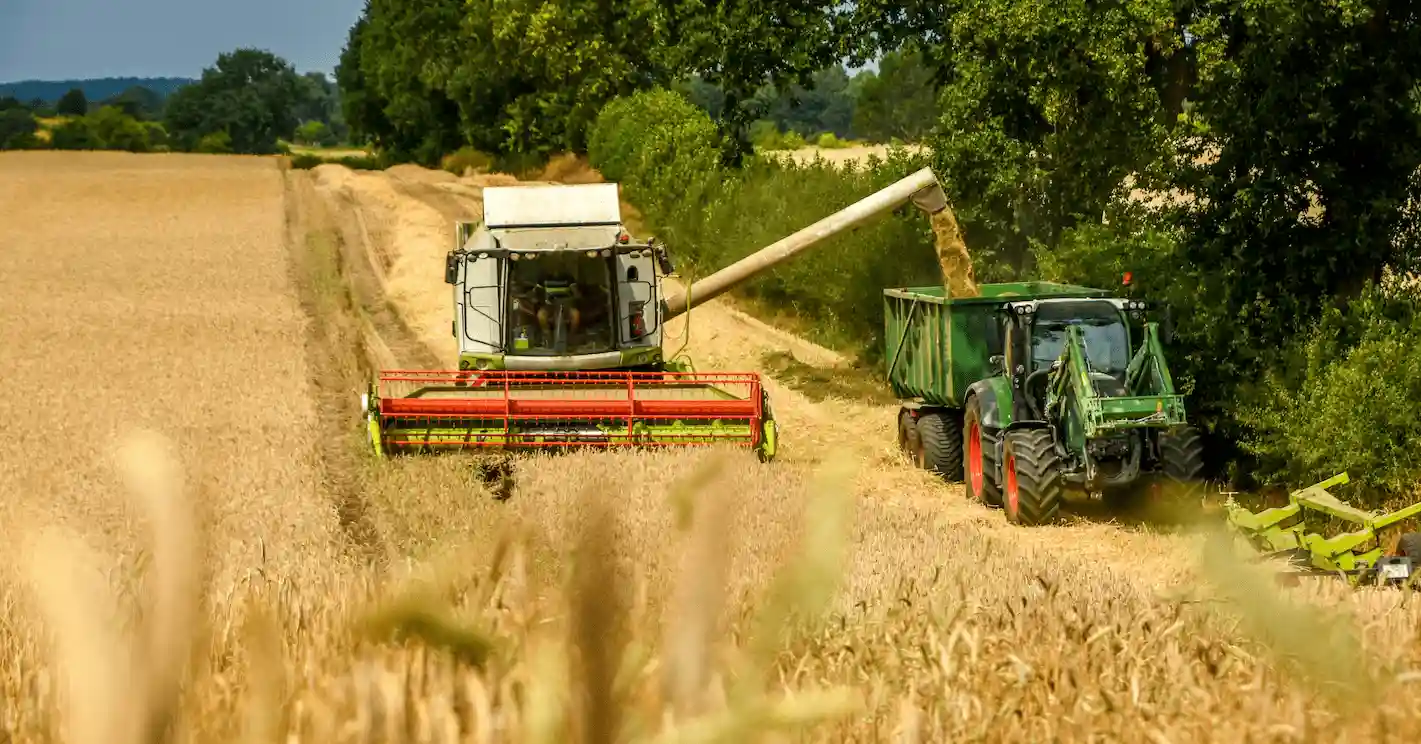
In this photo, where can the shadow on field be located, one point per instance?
(822, 383)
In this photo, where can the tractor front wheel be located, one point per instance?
(940, 444)
(1031, 478)
(980, 452)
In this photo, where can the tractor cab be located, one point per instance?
(1105, 334)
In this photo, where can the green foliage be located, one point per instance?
(526, 76)
(250, 95)
(138, 102)
(664, 150)
(76, 133)
(73, 103)
(107, 128)
(17, 129)
(315, 133)
(214, 143)
(900, 101)
(116, 130)
(1348, 398)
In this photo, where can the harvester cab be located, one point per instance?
(541, 289)
(559, 317)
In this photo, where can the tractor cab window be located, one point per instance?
(560, 303)
(1107, 341)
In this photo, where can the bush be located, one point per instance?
(830, 141)
(465, 160)
(1348, 397)
(76, 133)
(663, 149)
(216, 143)
(315, 133)
(17, 129)
(116, 130)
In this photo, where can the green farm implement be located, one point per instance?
(559, 317)
(1283, 532)
(1032, 389)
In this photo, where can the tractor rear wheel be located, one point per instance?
(980, 453)
(940, 444)
(1031, 478)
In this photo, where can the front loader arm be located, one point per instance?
(1148, 374)
(1072, 390)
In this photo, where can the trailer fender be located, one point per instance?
(994, 394)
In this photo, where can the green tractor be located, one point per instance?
(1034, 389)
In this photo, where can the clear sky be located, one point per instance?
(68, 39)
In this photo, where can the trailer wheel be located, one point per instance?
(940, 444)
(980, 458)
(1031, 478)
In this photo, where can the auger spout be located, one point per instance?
(921, 188)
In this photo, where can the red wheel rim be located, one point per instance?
(1013, 498)
(974, 459)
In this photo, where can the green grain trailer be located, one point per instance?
(1034, 388)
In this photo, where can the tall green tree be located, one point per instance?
(899, 101)
(250, 94)
(73, 103)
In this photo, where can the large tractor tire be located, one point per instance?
(1031, 478)
(1182, 455)
(1173, 493)
(940, 444)
(980, 458)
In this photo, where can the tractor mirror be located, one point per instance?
(451, 268)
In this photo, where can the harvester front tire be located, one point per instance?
(940, 444)
(979, 462)
(1031, 478)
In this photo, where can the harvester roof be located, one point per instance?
(593, 204)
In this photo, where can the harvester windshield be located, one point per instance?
(560, 302)
(1107, 341)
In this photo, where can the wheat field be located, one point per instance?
(199, 549)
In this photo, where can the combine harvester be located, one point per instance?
(559, 317)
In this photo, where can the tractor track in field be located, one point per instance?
(405, 301)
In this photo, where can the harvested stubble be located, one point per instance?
(942, 625)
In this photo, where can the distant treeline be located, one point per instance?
(95, 89)
(248, 102)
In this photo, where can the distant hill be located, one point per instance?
(95, 89)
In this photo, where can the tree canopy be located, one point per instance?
(249, 94)
(530, 76)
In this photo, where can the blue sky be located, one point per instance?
(66, 39)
